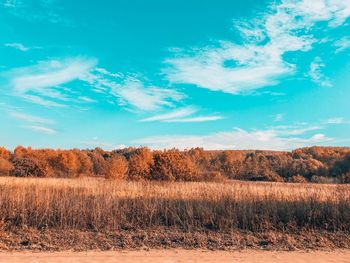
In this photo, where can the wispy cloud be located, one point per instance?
(197, 119)
(45, 83)
(40, 83)
(260, 60)
(40, 129)
(45, 11)
(337, 120)
(278, 117)
(18, 46)
(9, 3)
(179, 113)
(95, 142)
(342, 44)
(316, 75)
(134, 92)
(184, 115)
(131, 90)
(51, 74)
(274, 138)
(29, 118)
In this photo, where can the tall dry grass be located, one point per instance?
(98, 204)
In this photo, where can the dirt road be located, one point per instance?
(177, 256)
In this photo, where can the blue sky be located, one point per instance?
(243, 74)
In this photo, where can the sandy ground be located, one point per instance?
(172, 256)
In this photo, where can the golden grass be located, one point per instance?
(98, 204)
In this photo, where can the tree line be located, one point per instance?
(311, 164)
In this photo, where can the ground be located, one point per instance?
(177, 256)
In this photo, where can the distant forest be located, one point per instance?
(312, 164)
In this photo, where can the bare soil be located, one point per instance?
(174, 256)
(19, 239)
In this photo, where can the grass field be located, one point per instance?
(32, 206)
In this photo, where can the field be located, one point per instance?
(91, 213)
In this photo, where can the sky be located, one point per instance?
(223, 74)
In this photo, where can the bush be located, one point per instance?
(30, 167)
(140, 163)
(173, 165)
(5, 167)
(66, 164)
(117, 167)
(5, 154)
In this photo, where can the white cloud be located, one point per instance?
(51, 74)
(40, 83)
(337, 120)
(184, 112)
(342, 44)
(151, 98)
(30, 118)
(278, 117)
(260, 60)
(130, 90)
(102, 144)
(269, 139)
(45, 11)
(9, 3)
(316, 75)
(43, 84)
(18, 46)
(196, 119)
(40, 129)
(184, 115)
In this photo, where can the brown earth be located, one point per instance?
(177, 256)
(62, 240)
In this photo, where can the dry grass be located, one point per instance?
(102, 205)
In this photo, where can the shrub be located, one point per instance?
(99, 164)
(173, 165)
(140, 163)
(117, 167)
(5, 167)
(5, 154)
(66, 164)
(30, 167)
(85, 165)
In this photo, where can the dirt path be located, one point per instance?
(177, 256)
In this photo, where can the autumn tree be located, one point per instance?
(117, 167)
(140, 163)
(5, 167)
(29, 167)
(4, 153)
(65, 164)
(173, 165)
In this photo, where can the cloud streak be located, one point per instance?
(275, 138)
(40, 129)
(182, 115)
(316, 74)
(131, 91)
(18, 46)
(259, 60)
(42, 84)
(29, 118)
(342, 44)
